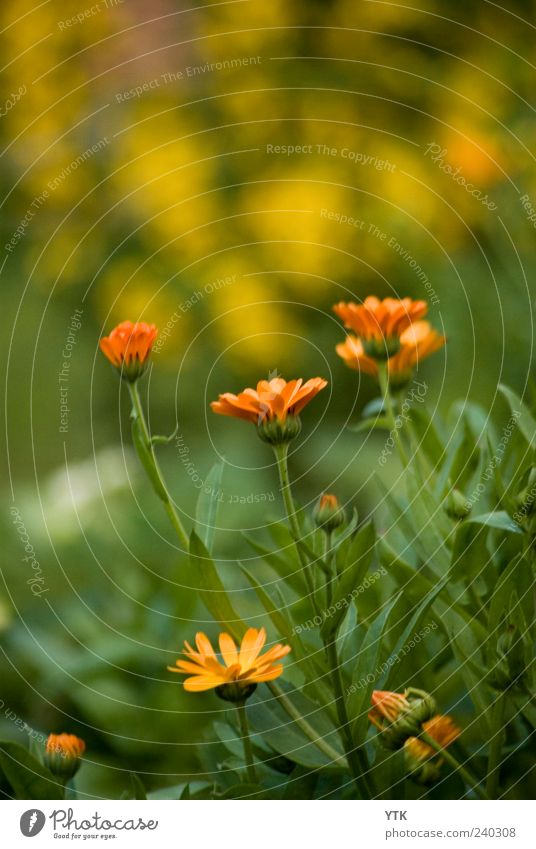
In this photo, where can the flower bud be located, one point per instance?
(328, 513)
(512, 657)
(400, 716)
(62, 755)
(456, 505)
(277, 432)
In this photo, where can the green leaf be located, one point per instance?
(282, 623)
(525, 420)
(206, 509)
(366, 662)
(405, 576)
(380, 423)
(204, 578)
(351, 573)
(145, 454)
(268, 718)
(285, 565)
(427, 435)
(137, 790)
(241, 791)
(28, 778)
(496, 519)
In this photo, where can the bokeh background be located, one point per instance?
(196, 168)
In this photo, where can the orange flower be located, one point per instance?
(353, 354)
(62, 755)
(128, 346)
(387, 707)
(242, 670)
(417, 342)
(442, 729)
(380, 324)
(274, 406)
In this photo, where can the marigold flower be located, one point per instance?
(400, 715)
(62, 754)
(386, 706)
(237, 677)
(274, 406)
(417, 342)
(128, 347)
(442, 729)
(380, 324)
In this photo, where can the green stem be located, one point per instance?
(168, 502)
(327, 560)
(305, 726)
(450, 759)
(383, 378)
(281, 456)
(246, 740)
(356, 757)
(496, 745)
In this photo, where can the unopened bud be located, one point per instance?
(456, 505)
(62, 755)
(328, 513)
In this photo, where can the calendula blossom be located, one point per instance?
(442, 729)
(379, 324)
(274, 406)
(242, 669)
(400, 715)
(128, 347)
(417, 342)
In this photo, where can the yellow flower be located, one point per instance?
(242, 669)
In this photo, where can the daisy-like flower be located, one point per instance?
(128, 347)
(380, 324)
(442, 729)
(274, 406)
(417, 342)
(62, 755)
(242, 669)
